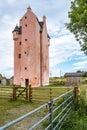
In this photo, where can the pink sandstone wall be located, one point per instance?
(45, 54)
(17, 63)
(34, 61)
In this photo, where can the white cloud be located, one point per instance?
(7, 66)
(63, 49)
(81, 65)
(10, 2)
(8, 23)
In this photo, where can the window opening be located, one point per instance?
(19, 43)
(26, 82)
(19, 55)
(25, 17)
(25, 25)
(25, 68)
(25, 39)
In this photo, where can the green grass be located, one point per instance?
(10, 110)
(75, 122)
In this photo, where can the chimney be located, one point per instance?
(44, 19)
(29, 8)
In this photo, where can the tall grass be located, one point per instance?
(78, 117)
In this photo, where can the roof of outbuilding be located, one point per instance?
(80, 74)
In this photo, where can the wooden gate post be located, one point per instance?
(14, 92)
(30, 93)
(26, 92)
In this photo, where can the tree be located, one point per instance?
(85, 74)
(78, 22)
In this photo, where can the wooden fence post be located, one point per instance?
(26, 92)
(30, 93)
(76, 95)
(76, 92)
(14, 92)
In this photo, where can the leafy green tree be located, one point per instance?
(79, 71)
(85, 74)
(78, 22)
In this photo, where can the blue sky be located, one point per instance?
(64, 51)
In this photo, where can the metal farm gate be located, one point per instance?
(53, 114)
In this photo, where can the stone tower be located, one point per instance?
(31, 51)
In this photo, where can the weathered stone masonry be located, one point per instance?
(31, 51)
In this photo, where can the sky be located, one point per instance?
(64, 52)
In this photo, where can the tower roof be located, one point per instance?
(17, 28)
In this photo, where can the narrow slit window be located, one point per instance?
(19, 56)
(19, 43)
(25, 25)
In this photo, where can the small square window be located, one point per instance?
(25, 17)
(25, 68)
(25, 25)
(25, 39)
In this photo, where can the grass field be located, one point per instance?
(10, 110)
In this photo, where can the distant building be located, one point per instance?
(3, 81)
(0, 79)
(74, 78)
(31, 51)
(11, 80)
